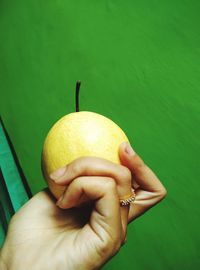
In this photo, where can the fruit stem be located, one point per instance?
(78, 84)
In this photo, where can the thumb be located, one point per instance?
(126, 152)
(142, 174)
(127, 158)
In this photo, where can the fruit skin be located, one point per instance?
(76, 135)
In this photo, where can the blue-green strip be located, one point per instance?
(16, 191)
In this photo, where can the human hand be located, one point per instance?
(44, 236)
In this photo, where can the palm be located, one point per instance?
(51, 230)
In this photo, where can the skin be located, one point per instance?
(87, 227)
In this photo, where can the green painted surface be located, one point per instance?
(139, 62)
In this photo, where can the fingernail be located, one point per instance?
(129, 150)
(57, 174)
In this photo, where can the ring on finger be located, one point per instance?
(127, 199)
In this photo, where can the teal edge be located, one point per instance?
(15, 188)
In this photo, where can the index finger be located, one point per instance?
(142, 174)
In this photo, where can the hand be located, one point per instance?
(43, 236)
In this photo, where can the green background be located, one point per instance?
(139, 63)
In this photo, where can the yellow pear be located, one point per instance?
(79, 134)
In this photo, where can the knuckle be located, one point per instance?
(77, 181)
(81, 165)
(110, 183)
(163, 192)
(126, 174)
(75, 167)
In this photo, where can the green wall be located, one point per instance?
(139, 63)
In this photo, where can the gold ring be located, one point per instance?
(127, 199)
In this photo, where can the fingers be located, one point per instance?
(144, 201)
(150, 190)
(94, 166)
(143, 175)
(105, 219)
